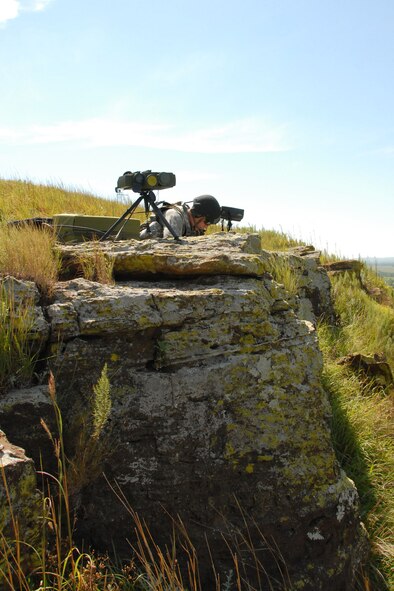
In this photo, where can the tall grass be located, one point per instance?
(28, 253)
(362, 431)
(366, 326)
(363, 413)
(20, 199)
(176, 567)
(55, 563)
(17, 352)
(270, 239)
(97, 266)
(376, 286)
(284, 273)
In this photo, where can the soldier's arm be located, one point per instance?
(174, 218)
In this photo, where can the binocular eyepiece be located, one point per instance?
(231, 214)
(139, 182)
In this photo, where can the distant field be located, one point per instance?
(386, 271)
(380, 261)
(383, 267)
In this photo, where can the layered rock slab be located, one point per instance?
(218, 416)
(228, 254)
(217, 254)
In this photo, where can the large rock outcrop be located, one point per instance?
(218, 415)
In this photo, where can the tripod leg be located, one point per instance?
(127, 213)
(163, 220)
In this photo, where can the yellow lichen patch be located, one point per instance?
(247, 341)
(144, 263)
(249, 468)
(232, 455)
(260, 328)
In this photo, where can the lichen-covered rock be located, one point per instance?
(344, 266)
(20, 291)
(228, 254)
(23, 299)
(21, 414)
(216, 254)
(217, 414)
(20, 502)
(311, 287)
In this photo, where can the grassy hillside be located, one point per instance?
(363, 410)
(23, 199)
(362, 423)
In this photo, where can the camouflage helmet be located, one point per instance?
(208, 207)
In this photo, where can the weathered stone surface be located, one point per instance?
(23, 298)
(228, 254)
(217, 254)
(344, 266)
(216, 405)
(20, 291)
(313, 297)
(21, 412)
(19, 499)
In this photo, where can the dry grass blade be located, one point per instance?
(28, 253)
(97, 266)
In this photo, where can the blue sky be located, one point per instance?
(281, 107)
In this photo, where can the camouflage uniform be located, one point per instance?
(178, 218)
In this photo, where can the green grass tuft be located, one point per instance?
(17, 354)
(101, 403)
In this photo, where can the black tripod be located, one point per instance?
(229, 224)
(149, 199)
